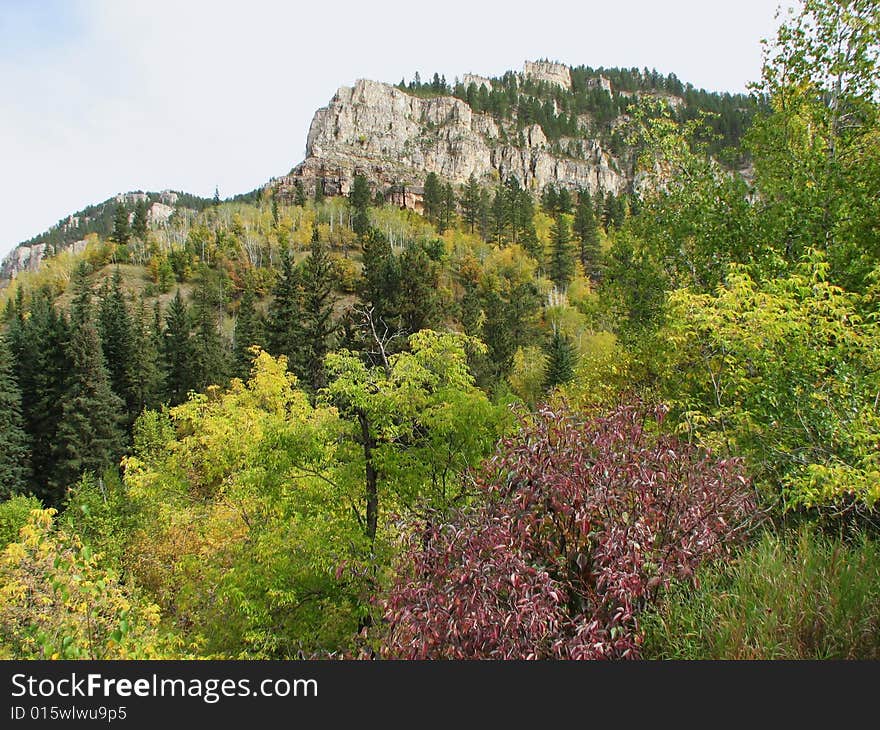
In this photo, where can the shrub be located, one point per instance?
(797, 596)
(14, 513)
(581, 524)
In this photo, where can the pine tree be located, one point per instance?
(418, 300)
(563, 202)
(139, 222)
(447, 214)
(121, 232)
(284, 331)
(360, 202)
(561, 360)
(216, 199)
(587, 232)
(38, 339)
(114, 327)
(381, 279)
(319, 191)
(177, 351)
(145, 377)
(90, 434)
(433, 197)
(562, 257)
(470, 203)
(15, 455)
(318, 301)
(500, 215)
(249, 331)
(210, 362)
(299, 193)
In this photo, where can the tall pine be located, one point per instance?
(284, 329)
(317, 311)
(90, 433)
(586, 229)
(145, 374)
(177, 351)
(114, 327)
(15, 455)
(249, 332)
(562, 262)
(210, 361)
(561, 360)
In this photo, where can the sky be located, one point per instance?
(99, 97)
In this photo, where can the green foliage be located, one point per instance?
(14, 514)
(561, 360)
(14, 452)
(57, 601)
(785, 372)
(561, 268)
(799, 595)
(177, 349)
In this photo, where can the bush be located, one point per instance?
(798, 596)
(14, 514)
(582, 523)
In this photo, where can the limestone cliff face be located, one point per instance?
(395, 138)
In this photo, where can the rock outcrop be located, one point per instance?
(552, 73)
(395, 139)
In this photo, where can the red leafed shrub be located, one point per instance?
(582, 523)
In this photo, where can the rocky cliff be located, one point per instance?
(395, 138)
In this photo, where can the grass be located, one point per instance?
(801, 595)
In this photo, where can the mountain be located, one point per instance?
(549, 124)
(70, 233)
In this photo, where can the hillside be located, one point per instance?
(548, 125)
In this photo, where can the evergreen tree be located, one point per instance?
(114, 327)
(145, 377)
(15, 458)
(360, 201)
(418, 299)
(139, 222)
(562, 256)
(249, 331)
(121, 232)
(90, 433)
(380, 286)
(433, 198)
(177, 351)
(561, 360)
(210, 362)
(39, 340)
(319, 191)
(550, 199)
(447, 214)
(284, 330)
(499, 215)
(318, 301)
(470, 203)
(216, 200)
(485, 219)
(587, 232)
(299, 193)
(563, 202)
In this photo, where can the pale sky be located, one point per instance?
(106, 96)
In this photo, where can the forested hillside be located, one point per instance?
(521, 423)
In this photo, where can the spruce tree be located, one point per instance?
(284, 331)
(317, 310)
(561, 360)
(447, 214)
(114, 327)
(15, 455)
(90, 434)
(38, 339)
(418, 296)
(500, 215)
(139, 222)
(249, 331)
(319, 191)
(433, 197)
(380, 286)
(470, 203)
(360, 202)
(299, 193)
(177, 351)
(587, 232)
(562, 256)
(121, 232)
(210, 362)
(145, 376)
